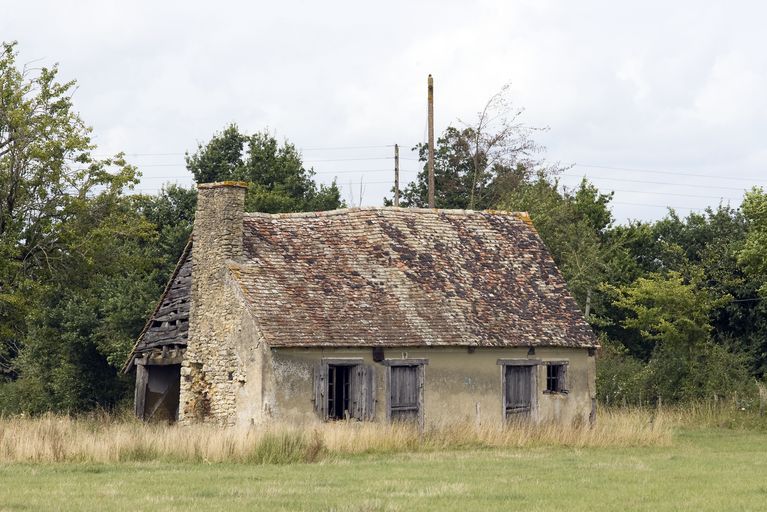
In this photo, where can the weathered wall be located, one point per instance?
(459, 386)
(211, 373)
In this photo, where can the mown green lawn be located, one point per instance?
(703, 470)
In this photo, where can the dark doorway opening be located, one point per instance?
(339, 391)
(162, 393)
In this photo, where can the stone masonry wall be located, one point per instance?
(211, 373)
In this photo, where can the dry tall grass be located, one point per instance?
(106, 439)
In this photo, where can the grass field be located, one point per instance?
(700, 457)
(703, 469)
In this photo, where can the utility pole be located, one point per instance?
(396, 175)
(431, 142)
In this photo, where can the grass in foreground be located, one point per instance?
(105, 439)
(703, 470)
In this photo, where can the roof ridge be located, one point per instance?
(385, 209)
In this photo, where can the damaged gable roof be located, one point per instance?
(169, 323)
(405, 277)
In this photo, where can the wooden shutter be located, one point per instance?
(321, 390)
(518, 389)
(564, 386)
(363, 392)
(370, 396)
(405, 392)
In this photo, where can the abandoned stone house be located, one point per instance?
(374, 314)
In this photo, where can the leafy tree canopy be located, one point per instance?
(278, 180)
(48, 176)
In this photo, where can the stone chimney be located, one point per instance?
(218, 225)
(207, 392)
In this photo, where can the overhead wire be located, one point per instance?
(669, 172)
(585, 167)
(608, 178)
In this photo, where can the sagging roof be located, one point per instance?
(405, 277)
(168, 326)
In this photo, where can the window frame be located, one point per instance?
(562, 380)
(364, 411)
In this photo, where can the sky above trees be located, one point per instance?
(663, 103)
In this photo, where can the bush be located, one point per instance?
(675, 375)
(620, 377)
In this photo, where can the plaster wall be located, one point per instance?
(459, 386)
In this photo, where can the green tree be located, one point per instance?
(47, 174)
(172, 214)
(753, 256)
(89, 314)
(673, 317)
(278, 180)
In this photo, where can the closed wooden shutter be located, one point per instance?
(564, 386)
(321, 390)
(363, 392)
(405, 391)
(518, 389)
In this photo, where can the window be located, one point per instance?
(339, 391)
(344, 389)
(556, 378)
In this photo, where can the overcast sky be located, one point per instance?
(663, 102)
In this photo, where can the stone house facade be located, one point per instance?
(373, 314)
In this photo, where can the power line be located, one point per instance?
(673, 194)
(340, 148)
(622, 203)
(346, 171)
(740, 189)
(675, 173)
(312, 148)
(351, 159)
(658, 206)
(305, 161)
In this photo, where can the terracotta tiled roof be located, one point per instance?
(405, 277)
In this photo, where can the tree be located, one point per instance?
(673, 317)
(172, 214)
(573, 225)
(87, 316)
(47, 173)
(278, 180)
(753, 256)
(667, 310)
(476, 165)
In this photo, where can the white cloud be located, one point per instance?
(647, 85)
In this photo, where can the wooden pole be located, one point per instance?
(396, 175)
(142, 378)
(431, 142)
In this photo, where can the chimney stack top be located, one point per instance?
(223, 184)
